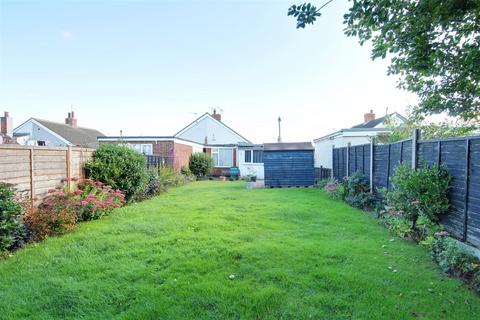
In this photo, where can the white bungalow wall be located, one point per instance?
(214, 131)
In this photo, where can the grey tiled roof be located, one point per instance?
(376, 122)
(82, 137)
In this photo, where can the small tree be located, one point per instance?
(421, 191)
(120, 167)
(432, 46)
(200, 164)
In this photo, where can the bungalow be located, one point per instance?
(205, 134)
(356, 135)
(39, 132)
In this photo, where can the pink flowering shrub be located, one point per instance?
(334, 189)
(62, 209)
(94, 199)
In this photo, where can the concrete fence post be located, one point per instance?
(348, 160)
(415, 138)
(332, 175)
(372, 155)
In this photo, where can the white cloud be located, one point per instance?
(66, 34)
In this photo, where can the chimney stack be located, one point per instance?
(71, 120)
(216, 115)
(6, 126)
(367, 117)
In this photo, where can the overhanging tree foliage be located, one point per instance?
(434, 46)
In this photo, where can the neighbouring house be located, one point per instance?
(38, 132)
(6, 129)
(289, 164)
(208, 134)
(356, 135)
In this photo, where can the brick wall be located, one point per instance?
(182, 155)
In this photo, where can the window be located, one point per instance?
(256, 158)
(41, 143)
(248, 156)
(146, 148)
(222, 157)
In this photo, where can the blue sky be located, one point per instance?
(148, 67)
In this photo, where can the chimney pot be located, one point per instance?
(367, 117)
(70, 120)
(216, 115)
(6, 124)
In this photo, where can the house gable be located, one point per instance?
(38, 132)
(207, 130)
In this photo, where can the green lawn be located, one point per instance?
(295, 254)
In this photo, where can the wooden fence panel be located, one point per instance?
(461, 157)
(35, 170)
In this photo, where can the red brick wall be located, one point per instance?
(164, 148)
(182, 155)
(160, 148)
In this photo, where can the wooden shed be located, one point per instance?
(288, 164)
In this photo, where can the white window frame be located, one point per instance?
(139, 147)
(217, 152)
(251, 156)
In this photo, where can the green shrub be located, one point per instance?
(456, 260)
(186, 171)
(55, 215)
(152, 186)
(422, 191)
(357, 191)
(200, 164)
(170, 178)
(12, 230)
(322, 183)
(120, 167)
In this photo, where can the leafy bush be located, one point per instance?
(357, 191)
(422, 191)
(456, 260)
(322, 183)
(186, 171)
(200, 164)
(55, 215)
(12, 230)
(152, 186)
(334, 189)
(169, 178)
(120, 167)
(61, 209)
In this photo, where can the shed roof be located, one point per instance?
(288, 146)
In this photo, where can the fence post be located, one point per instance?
(415, 137)
(32, 176)
(401, 152)
(372, 153)
(348, 159)
(439, 152)
(333, 162)
(467, 178)
(69, 167)
(388, 165)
